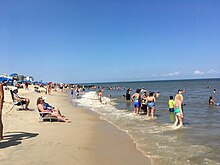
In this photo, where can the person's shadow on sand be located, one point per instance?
(15, 138)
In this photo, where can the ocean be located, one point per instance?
(198, 142)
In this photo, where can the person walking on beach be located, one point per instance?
(136, 98)
(178, 112)
(1, 107)
(151, 100)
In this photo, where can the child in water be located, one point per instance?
(171, 109)
(171, 104)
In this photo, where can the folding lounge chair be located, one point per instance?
(46, 116)
(15, 102)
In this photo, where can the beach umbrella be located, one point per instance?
(13, 74)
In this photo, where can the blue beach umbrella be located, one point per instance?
(2, 79)
(13, 74)
(5, 79)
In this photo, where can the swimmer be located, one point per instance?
(158, 94)
(214, 91)
(211, 101)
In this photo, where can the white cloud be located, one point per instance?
(211, 71)
(198, 72)
(172, 74)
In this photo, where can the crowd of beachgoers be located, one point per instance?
(144, 102)
(44, 108)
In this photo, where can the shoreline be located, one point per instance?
(86, 140)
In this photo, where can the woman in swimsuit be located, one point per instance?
(151, 100)
(136, 98)
(211, 101)
(178, 112)
(40, 106)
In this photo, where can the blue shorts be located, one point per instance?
(171, 109)
(137, 104)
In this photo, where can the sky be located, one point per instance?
(76, 41)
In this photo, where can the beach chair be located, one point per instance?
(15, 102)
(45, 116)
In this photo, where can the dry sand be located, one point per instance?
(87, 140)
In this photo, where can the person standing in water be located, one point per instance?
(136, 98)
(100, 93)
(179, 93)
(151, 100)
(178, 112)
(143, 101)
(171, 109)
(211, 101)
(1, 107)
(128, 94)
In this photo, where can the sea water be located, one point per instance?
(198, 142)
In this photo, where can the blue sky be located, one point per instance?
(110, 40)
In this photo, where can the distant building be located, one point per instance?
(21, 78)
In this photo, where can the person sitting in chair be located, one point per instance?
(22, 100)
(49, 107)
(55, 113)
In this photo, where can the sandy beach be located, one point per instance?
(86, 140)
